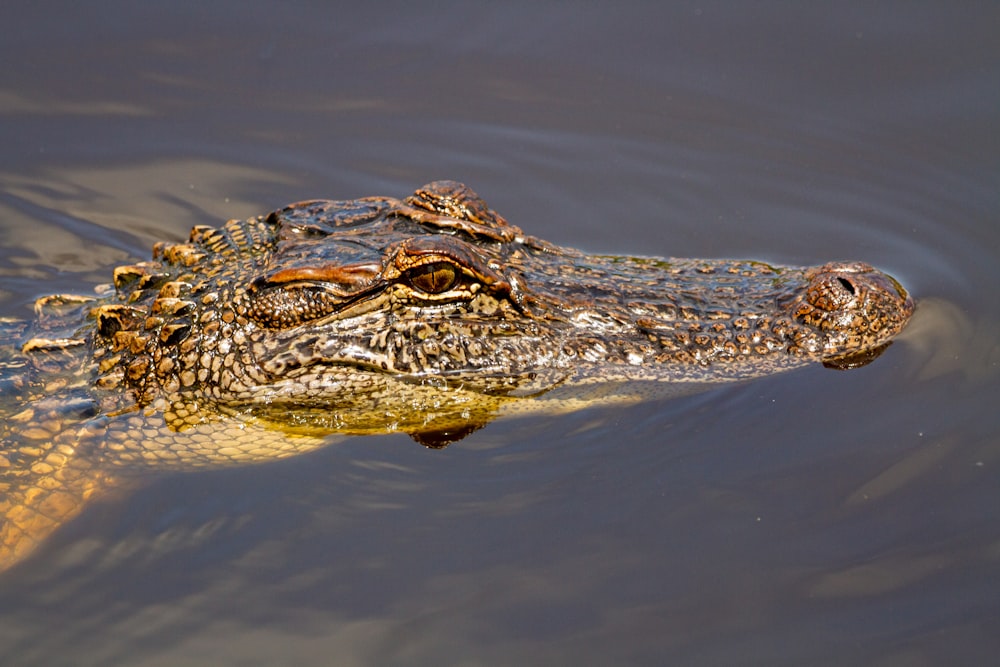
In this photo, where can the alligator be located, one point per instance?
(431, 315)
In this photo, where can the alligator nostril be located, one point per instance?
(846, 284)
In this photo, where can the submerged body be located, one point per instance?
(430, 315)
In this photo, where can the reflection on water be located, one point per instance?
(948, 340)
(137, 198)
(815, 518)
(13, 102)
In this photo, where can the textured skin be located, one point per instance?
(430, 315)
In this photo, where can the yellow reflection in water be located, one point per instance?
(157, 195)
(17, 103)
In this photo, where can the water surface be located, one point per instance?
(817, 517)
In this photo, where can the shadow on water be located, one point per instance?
(818, 517)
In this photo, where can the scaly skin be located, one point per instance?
(431, 315)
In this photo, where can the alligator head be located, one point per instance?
(431, 312)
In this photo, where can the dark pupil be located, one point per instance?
(433, 278)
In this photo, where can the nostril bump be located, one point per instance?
(846, 284)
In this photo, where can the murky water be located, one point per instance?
(819, 517)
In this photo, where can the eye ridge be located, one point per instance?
(433, 278)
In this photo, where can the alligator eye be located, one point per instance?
(433, 278)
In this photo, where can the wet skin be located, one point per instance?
(429, 315)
